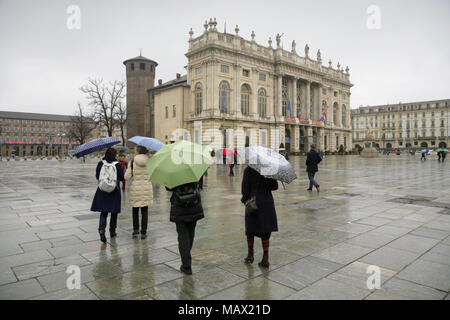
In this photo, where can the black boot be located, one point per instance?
(102, 236)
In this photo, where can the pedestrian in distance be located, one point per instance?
(263, 222)
(312, 160)
(141, 190)
(185, 210)
(443, 154)
(424, 155)
(123, 164)
(107, 198)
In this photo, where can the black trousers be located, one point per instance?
(144, 221)
(186, 232)
(112, 222)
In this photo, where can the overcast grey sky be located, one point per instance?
(43, 63)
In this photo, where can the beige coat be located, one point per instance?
(141, 191)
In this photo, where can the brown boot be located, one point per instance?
(265, 260)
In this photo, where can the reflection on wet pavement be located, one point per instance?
(389, 212)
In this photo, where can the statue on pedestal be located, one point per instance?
(293, 46)
(306, 51)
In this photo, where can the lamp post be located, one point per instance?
(61, 135)
(49, 137)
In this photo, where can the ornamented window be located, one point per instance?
(262, 77)
(198, 98)
(224, 97)
(224, 68)
(262, 98)
(284, 96)
(245, 73)
(245, 98)
(198, 70)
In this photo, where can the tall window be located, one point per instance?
(167, 113)
(198, 98)
(262, 102)
(299, 99)
(284, 96)
(174, 110)
(344, 115)
(245, 98)
(335, 114)
(224, 96)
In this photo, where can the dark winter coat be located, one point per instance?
(182, 214)
(265, 220)
(104, 201)
(312, 160)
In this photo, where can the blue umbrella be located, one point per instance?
(424, 150)
(150, 143)
(95, 145)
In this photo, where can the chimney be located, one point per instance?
(159, 82)
(178, 76)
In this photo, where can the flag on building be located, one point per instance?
(290, 109)
(323, 118)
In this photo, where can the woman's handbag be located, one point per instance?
(250, 206)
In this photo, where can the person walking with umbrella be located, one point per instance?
(179, 167)
(312, 160)
(424, 155)
(262, 223)
(141, 190)
(107, 198)
(265, 167)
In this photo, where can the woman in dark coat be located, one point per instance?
(264, 222)
(105, 202)
(185, 214)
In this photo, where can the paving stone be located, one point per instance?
(303, 272)
(65, 294)
(390, 258)
(327, 289)
(371, 239)
(398, 289)
(430, 233)
(254, 289)
(21, 290)
(413, 243)
(427, 273)
(343, 253)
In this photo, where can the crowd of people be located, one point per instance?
(186, 205)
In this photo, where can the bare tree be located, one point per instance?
(81, 125)
(121, 118)
(105, 99)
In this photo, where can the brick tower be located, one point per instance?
(140, 72)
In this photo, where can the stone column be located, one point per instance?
(237, 90)
(205, 90)
(254, 95)
(270, 97)
(279, 98)
(308, 99)
(215, 87)
(294, 98)
(295, 140)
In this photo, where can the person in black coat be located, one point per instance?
(105, 202)
(264, 222)
(185, 217)
(312, 160)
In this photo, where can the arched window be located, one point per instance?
(245, 99)
(198, 98)
(335, 114)
(224, 97)
(262, 102)
(344, 115)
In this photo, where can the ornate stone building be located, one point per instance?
(238, 92)
(423, 124)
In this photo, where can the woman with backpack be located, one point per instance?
(141, 190)
(185, 210)
(262, 222)
(107, 198)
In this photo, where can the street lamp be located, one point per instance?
(61, 135)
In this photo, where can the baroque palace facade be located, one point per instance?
(238, 92)
(423, 124)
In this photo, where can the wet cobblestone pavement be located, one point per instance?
(390, 212)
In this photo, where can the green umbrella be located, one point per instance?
(178, 163)
(438, 150)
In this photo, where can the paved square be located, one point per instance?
(391, 212)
